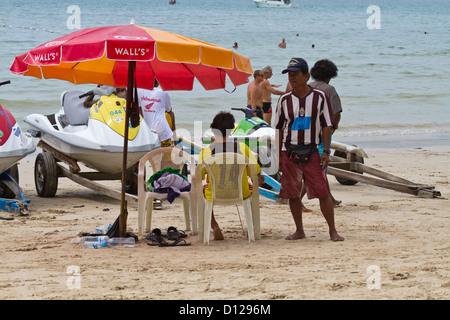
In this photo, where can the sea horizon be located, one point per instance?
(391, 77)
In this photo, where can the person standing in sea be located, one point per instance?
(267, 90)
(303, 117)
(254, 94)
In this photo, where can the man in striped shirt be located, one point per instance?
(304, 117)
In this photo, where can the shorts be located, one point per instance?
(258, 112)
(293, 174)
(267, 107)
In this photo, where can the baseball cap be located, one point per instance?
(296, 64)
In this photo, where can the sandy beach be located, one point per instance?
(396, 245)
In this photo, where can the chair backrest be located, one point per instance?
(162, 158)
(225, 172)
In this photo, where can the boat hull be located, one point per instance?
(273, 4)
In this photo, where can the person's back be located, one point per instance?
(222, 125)
(322, 72)
(235, 147)
(154, 104)
(331, 93)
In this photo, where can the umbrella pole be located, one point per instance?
(123, 204)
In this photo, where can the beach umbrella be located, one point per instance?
(132, 56)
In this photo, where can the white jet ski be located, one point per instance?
(95, 135)
(14, 144)
(257, 134)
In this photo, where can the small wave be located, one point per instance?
(367, 130)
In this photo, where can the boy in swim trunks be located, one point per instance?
(267, 90)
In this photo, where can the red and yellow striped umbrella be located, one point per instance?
(129, 56)
(101, 55)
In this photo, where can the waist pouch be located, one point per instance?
(300, 153)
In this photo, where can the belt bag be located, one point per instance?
(300, 153)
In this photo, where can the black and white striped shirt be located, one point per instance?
(301, 119)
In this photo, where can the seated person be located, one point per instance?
(102, 90)
(222, 125)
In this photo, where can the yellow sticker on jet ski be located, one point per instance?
(111, 111)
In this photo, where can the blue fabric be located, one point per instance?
(301, 123)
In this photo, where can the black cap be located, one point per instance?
(296, 64)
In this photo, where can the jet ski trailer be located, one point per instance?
(49, 167)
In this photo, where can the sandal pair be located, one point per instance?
(156, 239)
(174, 234)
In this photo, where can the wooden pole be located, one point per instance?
(123, 204)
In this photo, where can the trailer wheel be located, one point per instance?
(343, 181)
(45, 175)
(5, 192)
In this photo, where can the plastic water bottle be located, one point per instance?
(103, 229)
(95, 242)
(94, 239)
(89, 239)
(121, 242)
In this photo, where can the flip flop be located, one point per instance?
(174, 234)
(156, 238)
(178, 242)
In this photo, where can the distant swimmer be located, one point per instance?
(235, 45)
(282, 44)
(313, 46)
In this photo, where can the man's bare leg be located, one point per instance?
(327, 208)
(268, 118)
(336, 203)
(295, 206)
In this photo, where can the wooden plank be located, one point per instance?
(382, 174)
(413, 189)
(95, 175)
(115, 194)
(60, 156)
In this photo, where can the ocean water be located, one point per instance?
(393, 79)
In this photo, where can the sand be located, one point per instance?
(396, 245)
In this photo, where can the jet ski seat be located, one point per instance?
(74, 109)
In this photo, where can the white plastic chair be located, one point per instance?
(159, 159)
(225, 172)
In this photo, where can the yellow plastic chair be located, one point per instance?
(225, 172)
(159, 159)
